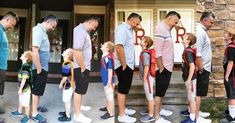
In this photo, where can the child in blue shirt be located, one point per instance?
(107, 72)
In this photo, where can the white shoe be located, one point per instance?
(82, 118)
(126, 119)
(203, 120)
(165, 112)
(85, 108)
(204, 114)
(162, 120)
(129, 111)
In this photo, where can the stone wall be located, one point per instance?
(224, 11)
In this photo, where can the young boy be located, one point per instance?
(229, 82)
(24, 90)
(67, 84)
(107, 67)
(148, 80)
(189, 76)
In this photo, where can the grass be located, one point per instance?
(216, 107)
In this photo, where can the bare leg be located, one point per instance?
(35, 104)
(151, 107)
(77, 103)
(67, 108)
(158, 101)
(121, 99)
(198, 104)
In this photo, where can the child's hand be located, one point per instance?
(61, 86)
(20, 91)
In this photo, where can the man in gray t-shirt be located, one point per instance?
(82, 63)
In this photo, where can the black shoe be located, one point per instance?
(106, 116)
(104, 109)
(230, 119)
(2, 111)
(62, 113)
(64, 118)
(226, 111)
(42, 109)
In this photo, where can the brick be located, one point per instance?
(210, 88)
(231, 2)
(219, 92)
(219, 41)
(232, 16)
(215, 33)
(217, 62)
(218, 25)
(223, 14)
(219, 7)
(219, 75)
(209, 5)
(220, 1)
(229, 24)
(231, 8)
(217, 68)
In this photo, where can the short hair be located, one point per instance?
(207, 15)
(70, 53)
(134, 15)
(11, 14)
(173, 13)
(192, 38)
(51, 17)
(110, 46)
(148, 40)
(92, 17)
(29, 55)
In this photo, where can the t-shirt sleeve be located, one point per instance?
(146, 59)
(37, 37)
(120, 36)
(24, 74)
(189, 57)
(110, 63)
(231, 54)
(79, 38)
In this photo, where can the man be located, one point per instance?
(124, 64)
(41, 58)
(82, 63)
(8, 21)
(165, 60)
(204, 57)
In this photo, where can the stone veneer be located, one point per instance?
(224, 11)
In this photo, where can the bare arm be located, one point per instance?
(63, 80)
(23, 81)
(121, 56)
(191, 71)
(199, 64)
(160, 64)
(229, 69)
(110, 75)
(79, 57)
(146, 70)
(36, 59)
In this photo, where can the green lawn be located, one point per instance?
(216, 107)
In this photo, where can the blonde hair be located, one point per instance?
(70, 53)
(110, 46)
(29, 56)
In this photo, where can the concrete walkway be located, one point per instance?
(52, 99)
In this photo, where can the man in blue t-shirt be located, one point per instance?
(8, 21)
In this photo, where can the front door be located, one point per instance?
(97, 38)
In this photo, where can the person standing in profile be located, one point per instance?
(124, 64)
(8, 21)
(41, 58)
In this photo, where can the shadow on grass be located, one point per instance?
(216, 107)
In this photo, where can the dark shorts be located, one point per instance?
(124, 79)
(230, 90)
(2, 81)
(81, 80)
(39, 82)
(202, 83)
(162, 82)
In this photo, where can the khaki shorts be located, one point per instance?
(191, 90)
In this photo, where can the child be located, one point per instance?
(189, 76)
(148, 80)
(107, 69)
(229, 59)
(67, 83)
(24, 90)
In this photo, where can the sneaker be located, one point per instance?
(146, 118)
(81, 118)
(126, 119)
(189, 120)
(144, 112)
(25, 119)
(42, 109)
(85, 108)
(165, 112)
(39, 119)
(162, 120)
(16, 113)
(204, 114)
(203, 120)
(103, 109)
(106, 116)
(129, 111)
(2, 120)
(2, 111)
(64, 118)
(185, 113)
(62, 113)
